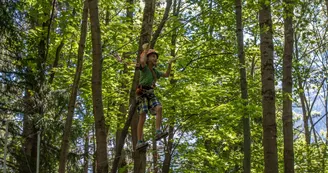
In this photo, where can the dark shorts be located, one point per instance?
(147, 101)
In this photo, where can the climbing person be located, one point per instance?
(147, 102)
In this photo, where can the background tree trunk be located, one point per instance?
(168, 151)
(86, 151)
(29, 145)
(155, 153)
(302, 95)
(326, 112)
(327, 6)
(119, 159)
(58, 50)
(169, 147)
(94, 161)
(122, 108)
(243, 88)
(287, 86)
(101, 135)
(268, 90)
(71, 105)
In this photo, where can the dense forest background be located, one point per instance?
(248, 92)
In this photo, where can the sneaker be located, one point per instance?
(160, 135)
(141, 145)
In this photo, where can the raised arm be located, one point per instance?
(143, 56)
(168, 71)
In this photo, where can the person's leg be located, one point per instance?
(158, 123)
(142, 111)
(141, 122)
(159, 133)
(157, 106)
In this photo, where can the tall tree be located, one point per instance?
(243, 87)
(326, 7)
(268, 89)
(86, 153)
(302, 93)
(29, 145)
(287, 85)
(98, 112)
(34, 96)
(169, 146)
(71, 105)
(145, 35)
(121, 161)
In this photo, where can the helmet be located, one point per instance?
(150, 51)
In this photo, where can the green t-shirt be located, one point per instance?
(146, 77)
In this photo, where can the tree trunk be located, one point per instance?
(243, 88)
(101, 134)
(268, 90)
(71, 105)
(169, 148)
(122, 108)
(94, 161)
(327, 6)
(155, 153)
(86, 150)
(287, 84)
(122, 132)
(29, 145)
(168, 151)
(32, 106)
(305, 116)
(58, 50)
(121, 118)
(145, 36)
(302, 97)
(326, 113)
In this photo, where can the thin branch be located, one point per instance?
(202, 57)
(161, 25)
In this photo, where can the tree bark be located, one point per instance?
(71, 105)
(268, 90)
(94, 161)
(86, 151)
(169, 148)
(122, 108)
(121, 119)
(168, 151)
(119, 159)
(101, 134)
(155, 153)
(139, 157)
(287, 86)
(29, 145)
(302, 97)
(145, 36)
(327, 6)
(58, 50)
(243, 88)
(32, 106)
(326, 112)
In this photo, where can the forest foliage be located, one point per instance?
(39, 42)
